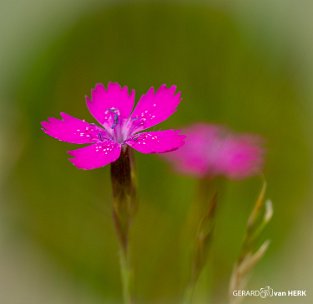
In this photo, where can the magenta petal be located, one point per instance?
(71, 129)
(197, 157)
(155, 107)
(115, 97)
(96, 155)
(156, 142)
(241, 156)
(212, 150)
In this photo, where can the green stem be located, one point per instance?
(126, 277)
(204, 211)
(124, 207)
(189, 293)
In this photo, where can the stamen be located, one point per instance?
(112, 117)
(115, 121)
(101, 136)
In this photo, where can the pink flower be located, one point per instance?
(119, 126)
(212, 150)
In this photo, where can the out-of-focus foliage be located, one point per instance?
(225, 75)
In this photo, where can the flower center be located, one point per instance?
(111, 118)
(115, 125)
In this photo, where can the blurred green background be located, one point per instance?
(246, 65)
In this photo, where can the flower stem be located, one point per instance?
(124, 207)
(189, 293)
(204, 213)
(126, 278)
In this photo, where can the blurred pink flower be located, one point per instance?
(112, 108)
(212, 150)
